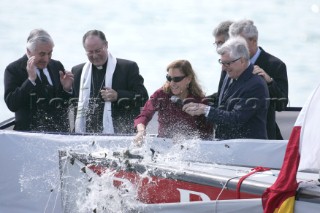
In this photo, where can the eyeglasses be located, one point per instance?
(97, 51)
(43, 54)
(218, 43)
(175, 79)
(227, 64)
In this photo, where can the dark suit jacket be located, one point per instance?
(33, 111)
(243, 110)
(278, 89)
(132, 94)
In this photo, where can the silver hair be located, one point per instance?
(36, 36)
(222, 29)
(244, 27)
(236, 47)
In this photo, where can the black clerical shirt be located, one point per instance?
(96, 103)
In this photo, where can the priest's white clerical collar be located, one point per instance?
(100, 67)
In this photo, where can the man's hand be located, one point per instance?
(259, 71)
(31, 69)
(109, 94)
(66, 80)
(194, 109)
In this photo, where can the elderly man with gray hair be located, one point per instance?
(271, 68)
(37, 88)
(242, 112)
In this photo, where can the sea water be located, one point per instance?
(85, 187)
(154, 33)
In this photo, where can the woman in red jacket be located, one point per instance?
(181, 87)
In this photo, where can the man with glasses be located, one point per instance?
(221, 35)
(243, 109)
(37, 88)
(110, 90)
(272, 69)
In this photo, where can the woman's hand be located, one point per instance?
(141, 132)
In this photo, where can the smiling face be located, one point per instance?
(42, 54)
(234, 67)
(96, 50)
(180, 88)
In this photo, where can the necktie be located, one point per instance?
(224, 88)
(227, 85)
(47, 89)
(43, 77)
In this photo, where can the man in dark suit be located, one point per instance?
(242, 112)
(37, 88)
(110, 90)
(272, 69)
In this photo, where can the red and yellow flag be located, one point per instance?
(304, 141)
(280, 197)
